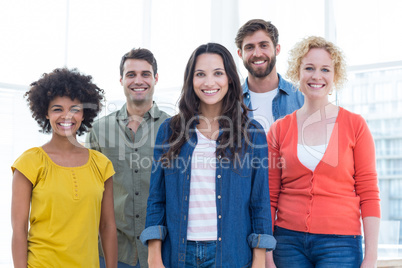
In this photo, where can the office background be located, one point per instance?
(92, 35)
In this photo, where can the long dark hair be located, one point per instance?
(233, 119)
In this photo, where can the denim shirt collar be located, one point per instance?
(282, 86)
(194, 124)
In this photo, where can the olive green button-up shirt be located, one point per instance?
(131, 154)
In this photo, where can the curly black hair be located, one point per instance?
(63, 82)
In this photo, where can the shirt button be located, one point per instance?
(220, 216)
(219, 197)
(136, 171)
(138, 237)
(136, 149)
(137, 193)
(219, 156)
(137, 216)
(220, 239)
(219, 176)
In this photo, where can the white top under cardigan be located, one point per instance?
(310, 156)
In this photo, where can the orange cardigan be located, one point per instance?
(342, 188)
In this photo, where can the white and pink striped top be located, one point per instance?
(202, 221)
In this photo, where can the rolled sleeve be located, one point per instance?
(153, 232)
(261, 241)
(261, 236)
(259, 196)
(155, 226)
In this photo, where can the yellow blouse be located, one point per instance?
(65, 209)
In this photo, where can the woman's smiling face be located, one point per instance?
(65, 116)
(317, 74)
(210, 81)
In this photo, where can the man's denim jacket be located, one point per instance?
(242, 200)
(288, 99)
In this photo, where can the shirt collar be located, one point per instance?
(154, 112)
(282, 86)
(194, 124)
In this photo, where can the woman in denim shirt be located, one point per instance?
(180, 231)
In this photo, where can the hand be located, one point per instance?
(257, 264)
(258, 258)
(155, 263)
(269, 260)
(369, 263)
(154, 254)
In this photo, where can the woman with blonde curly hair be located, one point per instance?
(326, 179)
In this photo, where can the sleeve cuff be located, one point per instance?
(153, 232)
(261, 241)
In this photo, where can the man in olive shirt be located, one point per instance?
(127, 138)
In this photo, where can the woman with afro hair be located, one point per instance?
(62, 193)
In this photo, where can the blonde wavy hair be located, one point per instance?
(303, 47)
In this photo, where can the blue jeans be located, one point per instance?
(200, 254)
(119, 264)
(305, 250)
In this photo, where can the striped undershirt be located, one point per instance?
(202, 221)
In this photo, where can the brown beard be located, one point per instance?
(266, 72)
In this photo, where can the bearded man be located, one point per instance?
(265, 92)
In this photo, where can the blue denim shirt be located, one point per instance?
(288, 99)
(242, 201)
